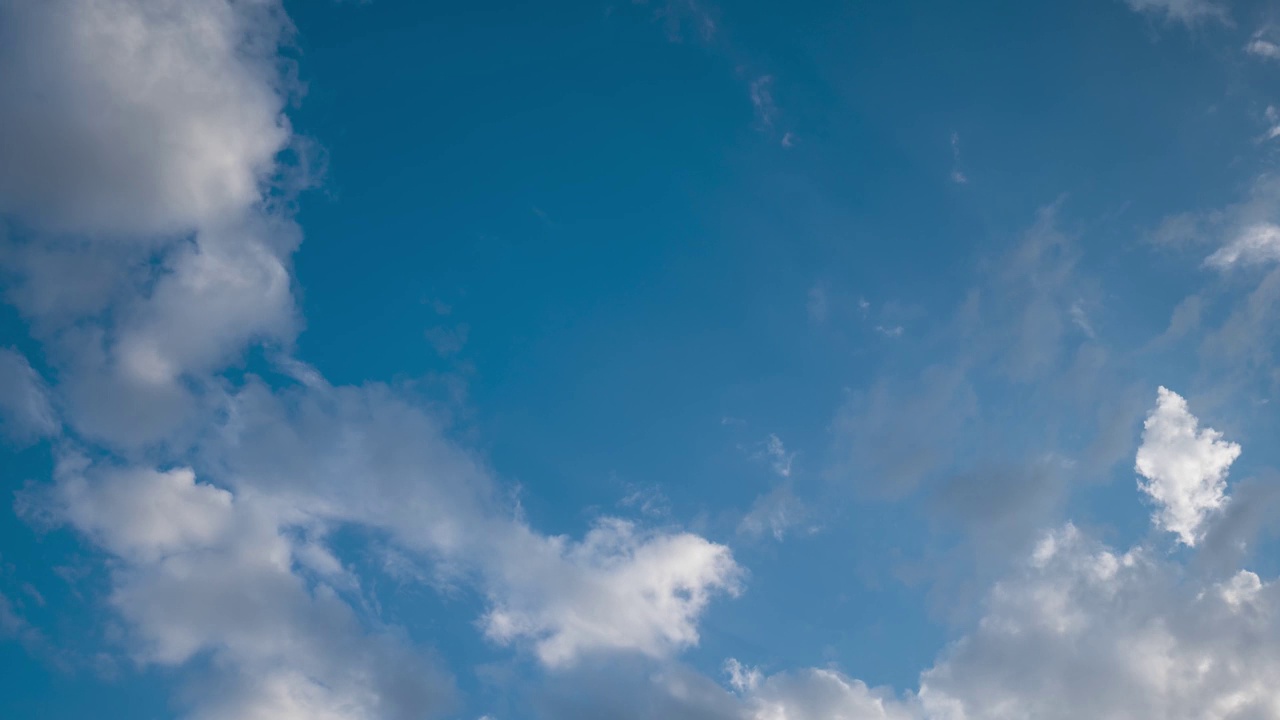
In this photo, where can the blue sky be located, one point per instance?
(639, 360)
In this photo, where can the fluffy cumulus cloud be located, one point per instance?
(1077, 629)
(140, 161)
(140, 173)
(1185, 467)
(619, 588)
(614, 590)
(138, 117)
(200, 570)
(1261, 45)
(1086, 631)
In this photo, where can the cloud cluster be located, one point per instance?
(147, 244)
(1185, 467)
(1077, 629)
(202, 570)
(143, 181)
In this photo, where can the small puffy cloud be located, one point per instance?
(1263, 48)
(1185, 467)
(617, 590)
(1189, 12)
(25, 411)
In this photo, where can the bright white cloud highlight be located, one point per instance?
(1254, 245)
(1084, 631)
(619, 589)
(1185, 467)
(1263, 48)
(615, 590)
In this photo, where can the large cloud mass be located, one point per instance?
(140, 170)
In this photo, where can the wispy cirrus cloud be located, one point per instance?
(1189, 12)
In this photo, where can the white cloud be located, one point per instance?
(1186, 11)
(202, 570)
(138, 117)
(1254, 245)
(159, 122)
(1245, 233)
(741, 677)
(1084, 631)
(822, 694)
(142, 515)
(616, 590)
(219, 294)
(141, 150)
(1077, 630)
(1263, 48)
(1185, 467)
(620, 588)
(25, 411)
